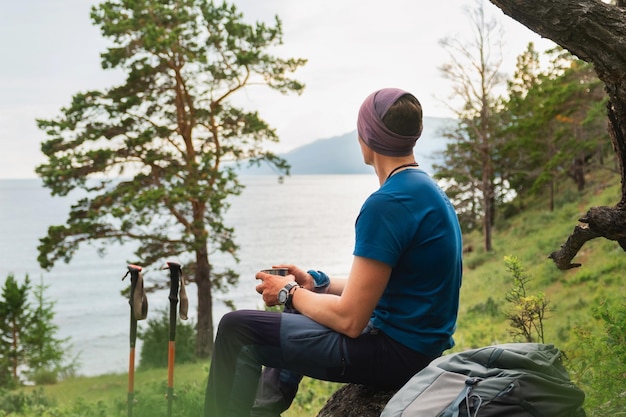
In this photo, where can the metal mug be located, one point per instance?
(276, 271)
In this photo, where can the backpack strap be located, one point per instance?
(465, 395)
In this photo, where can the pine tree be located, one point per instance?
(28, 343)
(170, 135)
(15, 323)
(46, 355)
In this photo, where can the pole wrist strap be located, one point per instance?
(322, 281)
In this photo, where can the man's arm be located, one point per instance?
(336, 286)
(349, 312)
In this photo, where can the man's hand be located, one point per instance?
(302, 277)
(270, 286)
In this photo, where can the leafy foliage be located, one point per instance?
(600, 362)
(20, 402)
(528, 312)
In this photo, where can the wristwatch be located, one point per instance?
(283, 294)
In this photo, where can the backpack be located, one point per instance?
(508, 380)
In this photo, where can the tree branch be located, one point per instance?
(607, 222)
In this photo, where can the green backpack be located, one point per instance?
(508, 380)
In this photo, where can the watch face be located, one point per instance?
(282, 295)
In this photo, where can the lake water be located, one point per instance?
(307, 221)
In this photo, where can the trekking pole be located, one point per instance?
(176, 284)
(138, 311)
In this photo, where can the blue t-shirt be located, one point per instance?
(410, 224)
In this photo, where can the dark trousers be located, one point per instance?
(289, 346)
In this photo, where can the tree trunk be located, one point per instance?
(551, 185)
(15, 362)
(596, 33)
(487, 225)
(578, 172)
(488, 200)
(204, 338)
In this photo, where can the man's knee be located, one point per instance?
(230, 320)
(251, 325)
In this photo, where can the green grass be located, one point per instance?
(106, 395)
(530, 236)
(110, 388)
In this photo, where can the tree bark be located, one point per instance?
(596, 33)
(204, 338)
(353, 400)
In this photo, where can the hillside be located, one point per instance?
(531, 236)
(342, 155)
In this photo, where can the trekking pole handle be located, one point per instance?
(132, 270)
(175, 274)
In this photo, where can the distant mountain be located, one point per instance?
(342, 154)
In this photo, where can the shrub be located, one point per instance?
(527, 311)
(488, 308)
(155, 342)
(18, 402)
(599, 360)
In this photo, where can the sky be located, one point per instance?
(49, 51)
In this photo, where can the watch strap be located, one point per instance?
(289, 303)
(285, 290)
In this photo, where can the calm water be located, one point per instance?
(307, 220)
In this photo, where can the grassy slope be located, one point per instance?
(530, 236)
(111, 388)
(106, 395)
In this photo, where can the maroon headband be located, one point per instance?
(372, 130)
